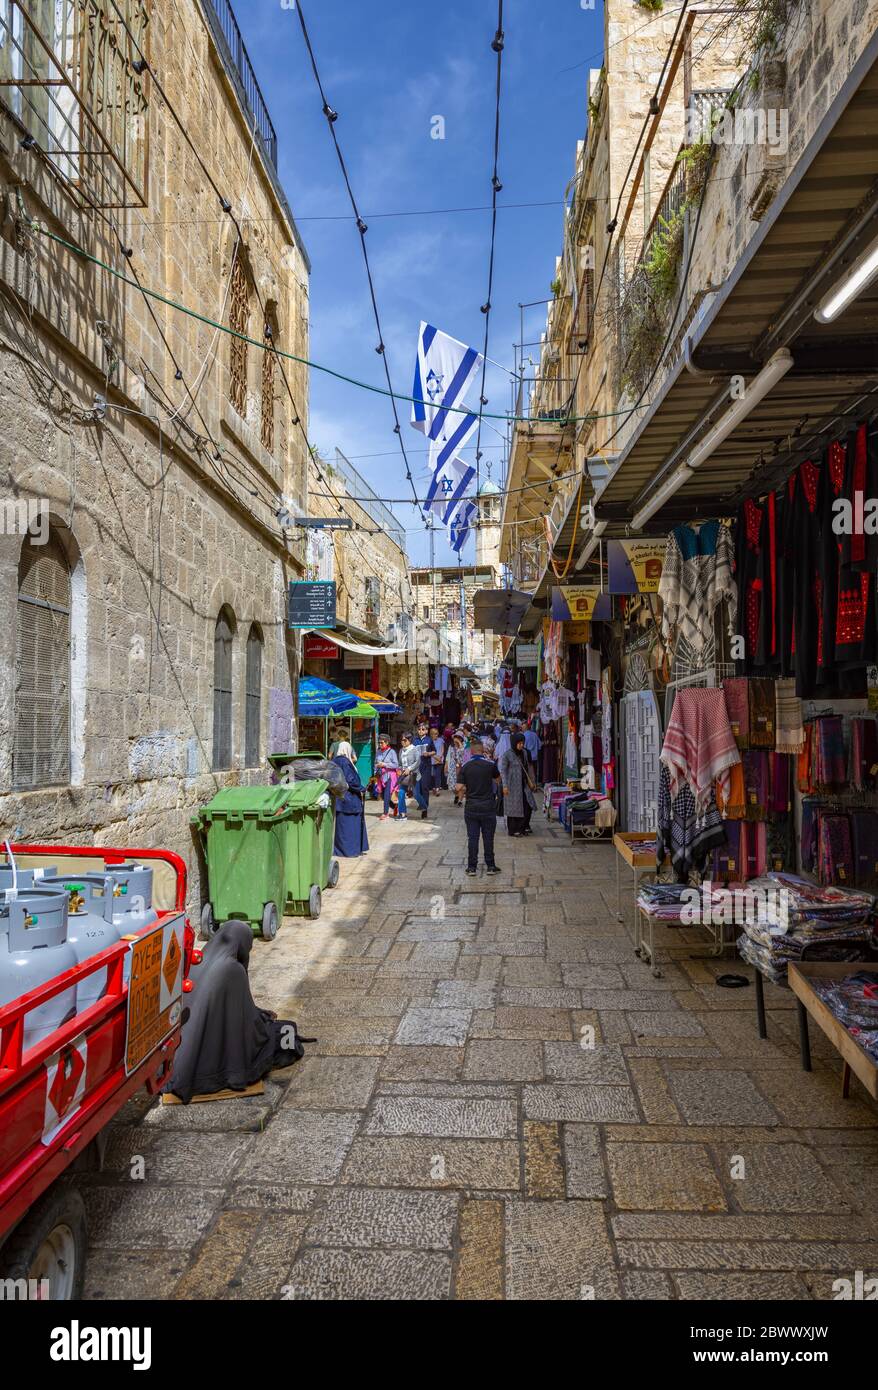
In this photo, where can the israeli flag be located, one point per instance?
(444, 371)
(460, 524)
(448, 488)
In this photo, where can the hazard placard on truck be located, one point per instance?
(155, 990)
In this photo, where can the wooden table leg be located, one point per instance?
(760, 1005)
(804, 1040)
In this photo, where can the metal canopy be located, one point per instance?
(823, 217)
(499, 610)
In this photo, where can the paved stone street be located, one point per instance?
(450, 1136)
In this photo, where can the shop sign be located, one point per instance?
(527, 654)
(635, 566)
(577, 634)
(358, 661)
(320, 649)
(580, 603)
(311, 603)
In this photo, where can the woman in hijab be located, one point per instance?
(518, 793)
(350, 814)
(228, 1043)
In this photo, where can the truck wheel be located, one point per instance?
(314, 902)
(269, 922)
(208, 925)
(334, 871)
(49, 1244)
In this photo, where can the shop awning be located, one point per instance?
(499, 610)
(363, 648)
(320, 700)
(380, 703)
(823, 217)
(361, 710)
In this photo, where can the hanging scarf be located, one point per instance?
(697, 576)
(762, 712)
(682, 833)
(790, 730)
(864, 832)
(810, 816)
(728, 860)
(863, 765)
(830, 767)
(699, 747)
(756, 856)
(779, 784)
(835, 853)
(738, 708)
(781, 854)
(733, 805)
(756, 784)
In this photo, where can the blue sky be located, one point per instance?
(388, 68)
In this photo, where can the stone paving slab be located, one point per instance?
(503, 1103)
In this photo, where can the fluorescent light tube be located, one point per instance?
(860, 275)
(672, 484)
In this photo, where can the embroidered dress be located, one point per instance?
(697, 576)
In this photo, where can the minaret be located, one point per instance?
(489, 529)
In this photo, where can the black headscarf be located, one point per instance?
(228, 1043)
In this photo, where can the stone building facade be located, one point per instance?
(622, 304)
(145, 659)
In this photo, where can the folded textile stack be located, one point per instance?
(789, 919)
(854, 1002)
(664, 901)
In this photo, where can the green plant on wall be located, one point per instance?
(650, 4)
(555, 287)
(650, 297)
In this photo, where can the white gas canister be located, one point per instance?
(89, 932)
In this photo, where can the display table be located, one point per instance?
(856, 1060)
(644, 939)
(642, 864)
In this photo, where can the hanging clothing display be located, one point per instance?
(699, 748)
(789, 725)
(683, 833)
(697, 576)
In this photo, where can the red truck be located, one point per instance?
(57, 1098)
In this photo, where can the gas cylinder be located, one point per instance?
(90, 930)
(18, 881)
(33, 950)
(128, 890)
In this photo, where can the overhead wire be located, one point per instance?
(497, 45)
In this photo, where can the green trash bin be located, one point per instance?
(309, 837)
(243, 833)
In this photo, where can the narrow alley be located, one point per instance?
(454, 1134)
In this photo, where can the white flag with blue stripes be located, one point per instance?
(447, 489)
(460, 523)
(444, 371)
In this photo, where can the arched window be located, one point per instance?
(223, 640)
(41, 747)
(253, 713)
(239, 322)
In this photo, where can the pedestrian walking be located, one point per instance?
(409, 771)
(454, 761)
(519, 801)
(478, 783)
(438, 758)
(532, 745)
(426, 749)
(388, 770)
(351, 839)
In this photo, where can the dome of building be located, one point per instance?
(489, 488)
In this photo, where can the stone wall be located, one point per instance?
(160, 533)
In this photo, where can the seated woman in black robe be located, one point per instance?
(228, 1043)
(350, 817)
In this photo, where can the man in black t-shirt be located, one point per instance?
(478, 782)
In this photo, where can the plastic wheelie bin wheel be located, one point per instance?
(314, 901)
(208, 925)
(269, 922)
(334, 871)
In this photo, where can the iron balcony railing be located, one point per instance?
(238, 59)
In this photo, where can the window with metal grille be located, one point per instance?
(253, 711)
(223, 641)
(41, 746)
(268, 368)
(239, 322)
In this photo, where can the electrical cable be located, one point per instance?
(362, 228)
(497, 45)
